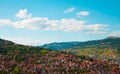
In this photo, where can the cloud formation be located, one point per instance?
(23, 14)
(69, 10)
(115, 33)
(4, 22)
(40, 23)
(82, 13)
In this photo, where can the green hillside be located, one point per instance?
(107, 46)
(21, 59)
(8, 47)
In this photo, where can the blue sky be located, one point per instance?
(44, 21)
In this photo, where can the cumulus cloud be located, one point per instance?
(67, 25)
(69, 10)
(115, 33)
(41, 23)
(83, 13)
(23, 14)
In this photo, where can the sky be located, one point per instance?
(37, 22)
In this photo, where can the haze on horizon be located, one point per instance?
(44, 21)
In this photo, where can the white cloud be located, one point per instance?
(69, 10)
(82, 13)
(4, 22)
(40, 23)
(23, 14)
(115, 33)
(96, 29)
(72, 24)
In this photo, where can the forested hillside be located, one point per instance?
(110, 42)
(21, 59)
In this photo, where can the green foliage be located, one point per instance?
(92, 52)
(17, 70)
(2, 72)
(43, 52)
(83, 71)
(118, 50)
(82, 57)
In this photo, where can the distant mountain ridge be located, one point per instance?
(110, 42)
(61, 45)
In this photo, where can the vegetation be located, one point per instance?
(106, 47)
(107, 43)
(89, 51)
(21, 59)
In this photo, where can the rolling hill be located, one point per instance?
(110, 42)
(7, 47)
(21, 59)
(105, 47)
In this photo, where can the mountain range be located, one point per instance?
(109, 42)
(109, 46)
